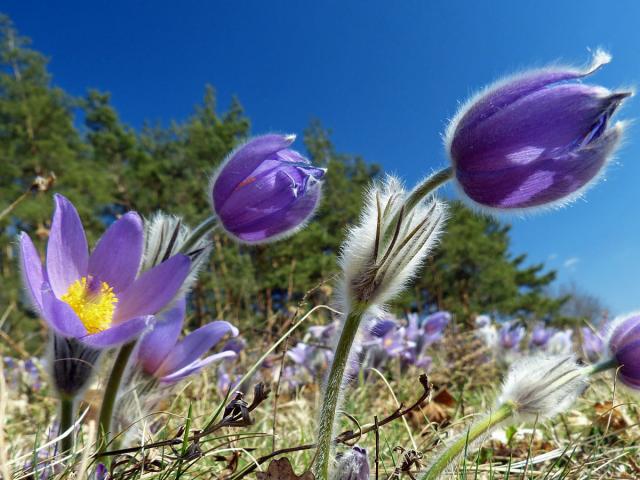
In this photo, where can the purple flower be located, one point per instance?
(541, 335)
(560, 343)
(97, 298)
(264, 191)
(161, 355)
(592, 344)
(353, 465)
(434, 325)
(538, 138)
(511, 335)
(624, 345)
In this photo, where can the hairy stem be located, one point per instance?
(199, 233)
(332, 393)
(67, 415)
(447, 456)
(601, 366)
(110, 394)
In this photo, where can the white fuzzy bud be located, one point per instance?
(165, 236)
(543, 386)
(384, 251)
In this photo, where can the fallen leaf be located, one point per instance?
(281, 469)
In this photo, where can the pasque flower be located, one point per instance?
(96, 299)
(592, 344)
(264, 191)
(624, 345)
(511, 335)
(534, 139)
(540, 335)
(162, 356)
(353, 465)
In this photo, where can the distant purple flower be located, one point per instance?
(541, 335)
(324, 332)
(434, 325)
(101, 472)
(482, 321)
(161, 355)
(534, 139)
(264, 191)
(97, 298)
(592, 344)
(300, 353)
(560, 343)
(624, 345)
(381, 327)
(511, 335)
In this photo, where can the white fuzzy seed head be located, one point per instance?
(543, 386)
(384, 251)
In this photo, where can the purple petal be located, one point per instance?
(196, 366)
(541, 181)
(67, 251)
(544, 124)
(278, 224)
(242, 162)
(59, 315)
(153, 290)
(118, 334)
(508, 91)
(116, 257)
(156, 345)
(32, 270)
(194, 345)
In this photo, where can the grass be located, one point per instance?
(596, 439)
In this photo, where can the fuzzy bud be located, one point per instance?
(72, 365)
(353, 465)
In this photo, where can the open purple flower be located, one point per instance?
(162, 356)
(535, 139)
(624, 345)
(540, 335)
(264, 191)
(511, 335)
(96, 299)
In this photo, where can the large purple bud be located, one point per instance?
(536, 139)
(624, 345)
(265, 191)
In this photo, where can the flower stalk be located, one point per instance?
(199, 233)
(333, 388)
(67, 414)
(446, 457)
(110, 394)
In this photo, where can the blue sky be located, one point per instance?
(383, 76)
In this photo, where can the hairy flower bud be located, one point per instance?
(72, 364)
(353, 465)
(265, 191)
(535, 139)
(543, 386)
(377, 266)
(624, 344)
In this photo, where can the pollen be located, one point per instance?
(93, 303)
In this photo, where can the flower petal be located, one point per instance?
(194, 345)
(32, 270)
(157, 344)
(59, 315)
(116, 257)
(67, 251)
(196, 366)
(153, 290)
(118, 334)
(242, 162)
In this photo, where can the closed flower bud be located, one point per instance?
(543, 386)
(265, 191)
(539, 138)
(72, 364)
(353, 465)
(624, 345)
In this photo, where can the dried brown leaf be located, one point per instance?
(281, 469)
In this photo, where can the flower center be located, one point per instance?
(94, 302)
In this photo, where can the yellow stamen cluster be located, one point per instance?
(95, 309)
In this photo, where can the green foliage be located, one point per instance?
(107, 168)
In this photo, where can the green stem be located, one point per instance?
(332, 392)
(419, 193)
(446, 457)
(67, 416)
(601, 366)
(110, 394)
(199, 233)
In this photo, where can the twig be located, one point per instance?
(276, 394)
